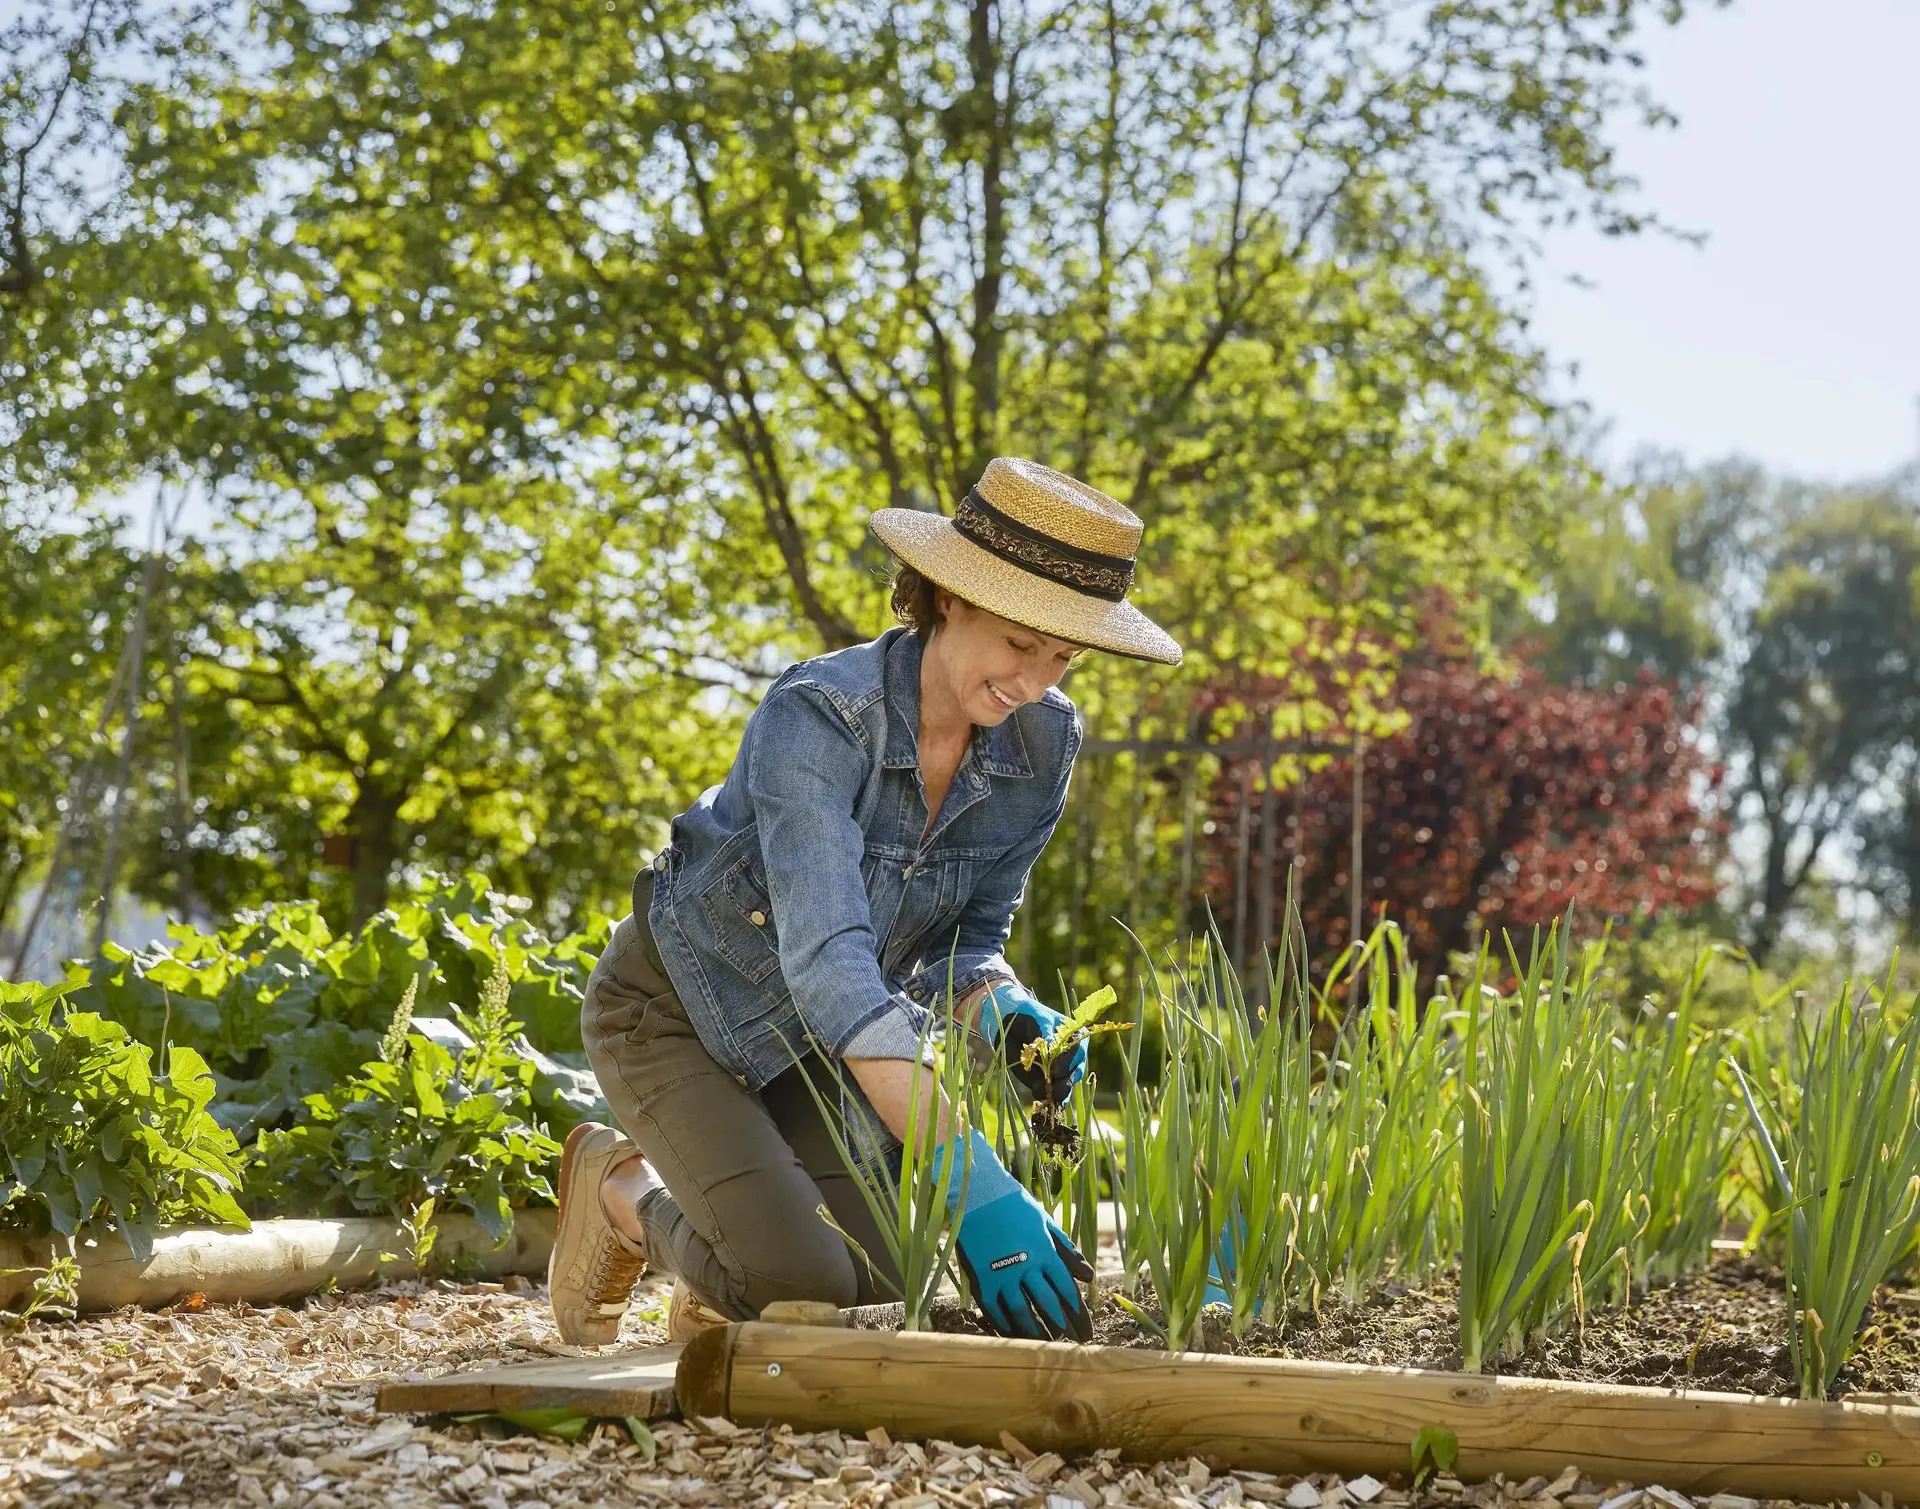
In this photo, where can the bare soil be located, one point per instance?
(1724, 1329)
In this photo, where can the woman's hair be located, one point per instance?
(914, 601)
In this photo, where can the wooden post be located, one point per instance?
(1083, 862)
(1354, 858)
(1279, 1415)
(1259, 995)
(1242, 838)
(1188, 780)
(1133, 850)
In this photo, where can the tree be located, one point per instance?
(1829, 692)
(1217, 259)
(752, 271)
(1499, 801)
(427, 617)
(1792, 608)
(64, 618)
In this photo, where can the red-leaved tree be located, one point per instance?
(1504, 799)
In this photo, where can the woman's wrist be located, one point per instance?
(892, 1085)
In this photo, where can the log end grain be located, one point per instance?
(703, 1380)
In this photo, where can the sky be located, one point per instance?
(1793, 335)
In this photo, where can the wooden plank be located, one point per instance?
(1287, 1416)
(639, 1382)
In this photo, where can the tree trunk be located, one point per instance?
(379, 840)
(8, 887)
(994, 123)
(1908, 859)
(1776, 894)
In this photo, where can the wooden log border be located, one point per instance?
(275, 1260)
(1280, 1415)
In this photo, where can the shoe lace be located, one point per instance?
(614, 1275)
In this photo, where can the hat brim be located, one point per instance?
(930, 544)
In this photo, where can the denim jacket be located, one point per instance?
(797, 897)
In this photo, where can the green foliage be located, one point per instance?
(1795, 604)
(421, 1234)
(1533, 1068)
(55, 1293)
(908, 1203)
(428, 1125)
(1202, 1152)
(87, 1128)
(282, 1009)
(63, 620)
(1840, 1136)
(1299, 1148)
(1434, 1449)
(482, 536)
(1081, 1024)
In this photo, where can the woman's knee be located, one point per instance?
(808, 1260)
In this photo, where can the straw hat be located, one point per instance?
(1039, 548)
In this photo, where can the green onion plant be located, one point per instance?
(1843, 1149)
(908, 1203)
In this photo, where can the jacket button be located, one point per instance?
(742, 1080)
(758, 919)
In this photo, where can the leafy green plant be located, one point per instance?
(421, 1233)
(1054, 1133)
(1842, 1144)
(55, 1292)
(87, 1127)
(1201, 1184)
(1435, 1449)
(426, 1123)
(281, 1008)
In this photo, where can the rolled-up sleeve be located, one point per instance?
(806, 766)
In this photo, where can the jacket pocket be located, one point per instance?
(741, 916)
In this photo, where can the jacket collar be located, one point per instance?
(1000, 750)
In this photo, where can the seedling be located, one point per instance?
(421, 1231)
(1057, 1138)
(56, 1293)
(1435, 1449)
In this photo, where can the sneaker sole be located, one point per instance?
(569, 1153)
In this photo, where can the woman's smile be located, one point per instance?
(1001, 698)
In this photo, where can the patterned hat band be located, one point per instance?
(1087, 571)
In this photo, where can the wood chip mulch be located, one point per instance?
(237, 1405)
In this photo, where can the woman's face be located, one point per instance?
(991, 665)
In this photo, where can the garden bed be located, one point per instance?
(1719, 1329)
(1282, 1416)
(274, 1408)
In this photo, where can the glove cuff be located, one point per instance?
(999, 1003)
(976, 1162)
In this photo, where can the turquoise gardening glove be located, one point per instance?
(1216, 1285)
(1216, 1291)
(1010, 1018)
(1020, 1265)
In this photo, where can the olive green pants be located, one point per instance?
(745, 1173)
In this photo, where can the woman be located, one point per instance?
(864, 855)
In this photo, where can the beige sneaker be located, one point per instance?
(688, 1315)
(593, 1269)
